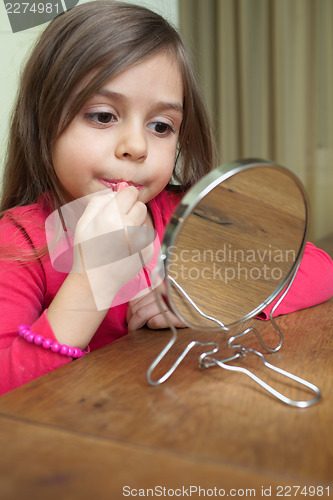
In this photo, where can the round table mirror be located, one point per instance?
(234, 242)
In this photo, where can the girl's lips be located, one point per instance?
(119, 185)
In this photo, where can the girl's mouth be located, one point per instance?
(118, 185)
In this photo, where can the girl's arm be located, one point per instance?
(71, 318)
(312, 285)
(22, 294)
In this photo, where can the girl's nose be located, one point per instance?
(132, 144)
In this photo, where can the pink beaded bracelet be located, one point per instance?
(25, 332)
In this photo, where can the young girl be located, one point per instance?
(108, 101)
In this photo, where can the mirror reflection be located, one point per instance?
(234, 242)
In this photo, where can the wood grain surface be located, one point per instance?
(96, 425)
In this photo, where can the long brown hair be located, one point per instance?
(92, 42)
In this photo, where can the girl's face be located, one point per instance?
(128, 131)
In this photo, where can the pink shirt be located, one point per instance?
(27, 289)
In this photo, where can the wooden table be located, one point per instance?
(95, 426)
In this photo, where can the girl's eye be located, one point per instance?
(101, 117)
(161, 128)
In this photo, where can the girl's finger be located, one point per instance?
(160, 321)
(96, 204)
(126, 199)
(144, 301)
(136, 215)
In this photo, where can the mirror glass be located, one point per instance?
(234, 242)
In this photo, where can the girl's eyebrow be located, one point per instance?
(159, 105)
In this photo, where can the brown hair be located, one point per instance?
(95, 40)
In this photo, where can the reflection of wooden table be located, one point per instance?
(96, 426)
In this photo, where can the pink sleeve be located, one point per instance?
(312, 285)
(22, 288)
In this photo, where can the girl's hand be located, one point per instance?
(146, 311)
(109, 212)
(103, 247)
(87, 293)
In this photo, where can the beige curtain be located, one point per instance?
(266, 71)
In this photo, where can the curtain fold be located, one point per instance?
(266, 72)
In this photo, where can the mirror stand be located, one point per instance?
(233, 245)
(207, 359)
